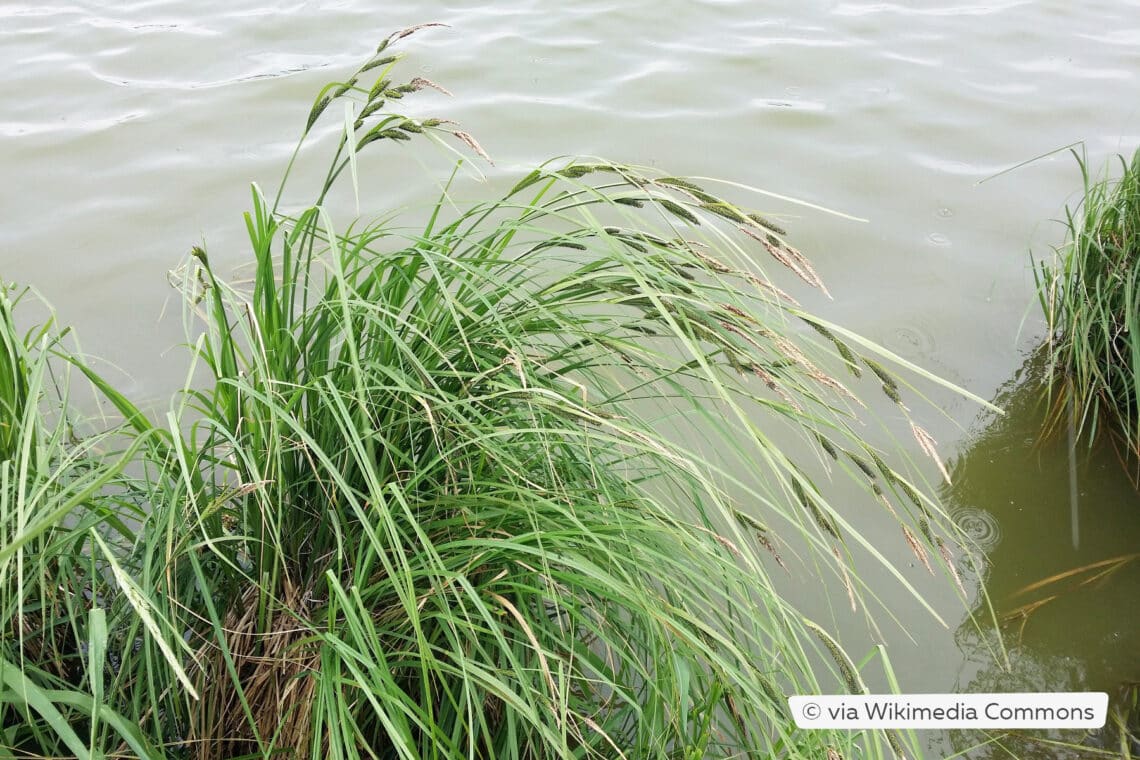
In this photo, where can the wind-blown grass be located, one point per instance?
(1090, 293)
(444, 494)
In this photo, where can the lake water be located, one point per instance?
(130, 131)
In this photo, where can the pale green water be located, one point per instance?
(130, 131)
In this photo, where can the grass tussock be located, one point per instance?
(457, 491)
(1089, 292)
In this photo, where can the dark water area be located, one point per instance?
(1059, 524)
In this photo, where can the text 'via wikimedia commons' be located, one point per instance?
(1053, 710)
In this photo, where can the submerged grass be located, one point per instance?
(443, 495)
(1090, 293)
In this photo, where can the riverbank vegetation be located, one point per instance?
(503, 485)
(1090, 294)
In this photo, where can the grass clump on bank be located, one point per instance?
(446, 491)
(1090, 293)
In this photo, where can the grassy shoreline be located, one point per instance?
(1089, 291)
(421, 508)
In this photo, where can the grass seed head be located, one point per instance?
(316, 112)
(847, 670)
(767, 224)
(880, 372)
(676, 209)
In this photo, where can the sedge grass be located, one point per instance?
(1089, 293)
(423, 509)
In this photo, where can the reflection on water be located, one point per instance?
(1029, 670)
(1068, 609)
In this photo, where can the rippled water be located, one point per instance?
(130, 131)
(979, 525)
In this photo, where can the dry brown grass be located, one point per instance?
(274, 669)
